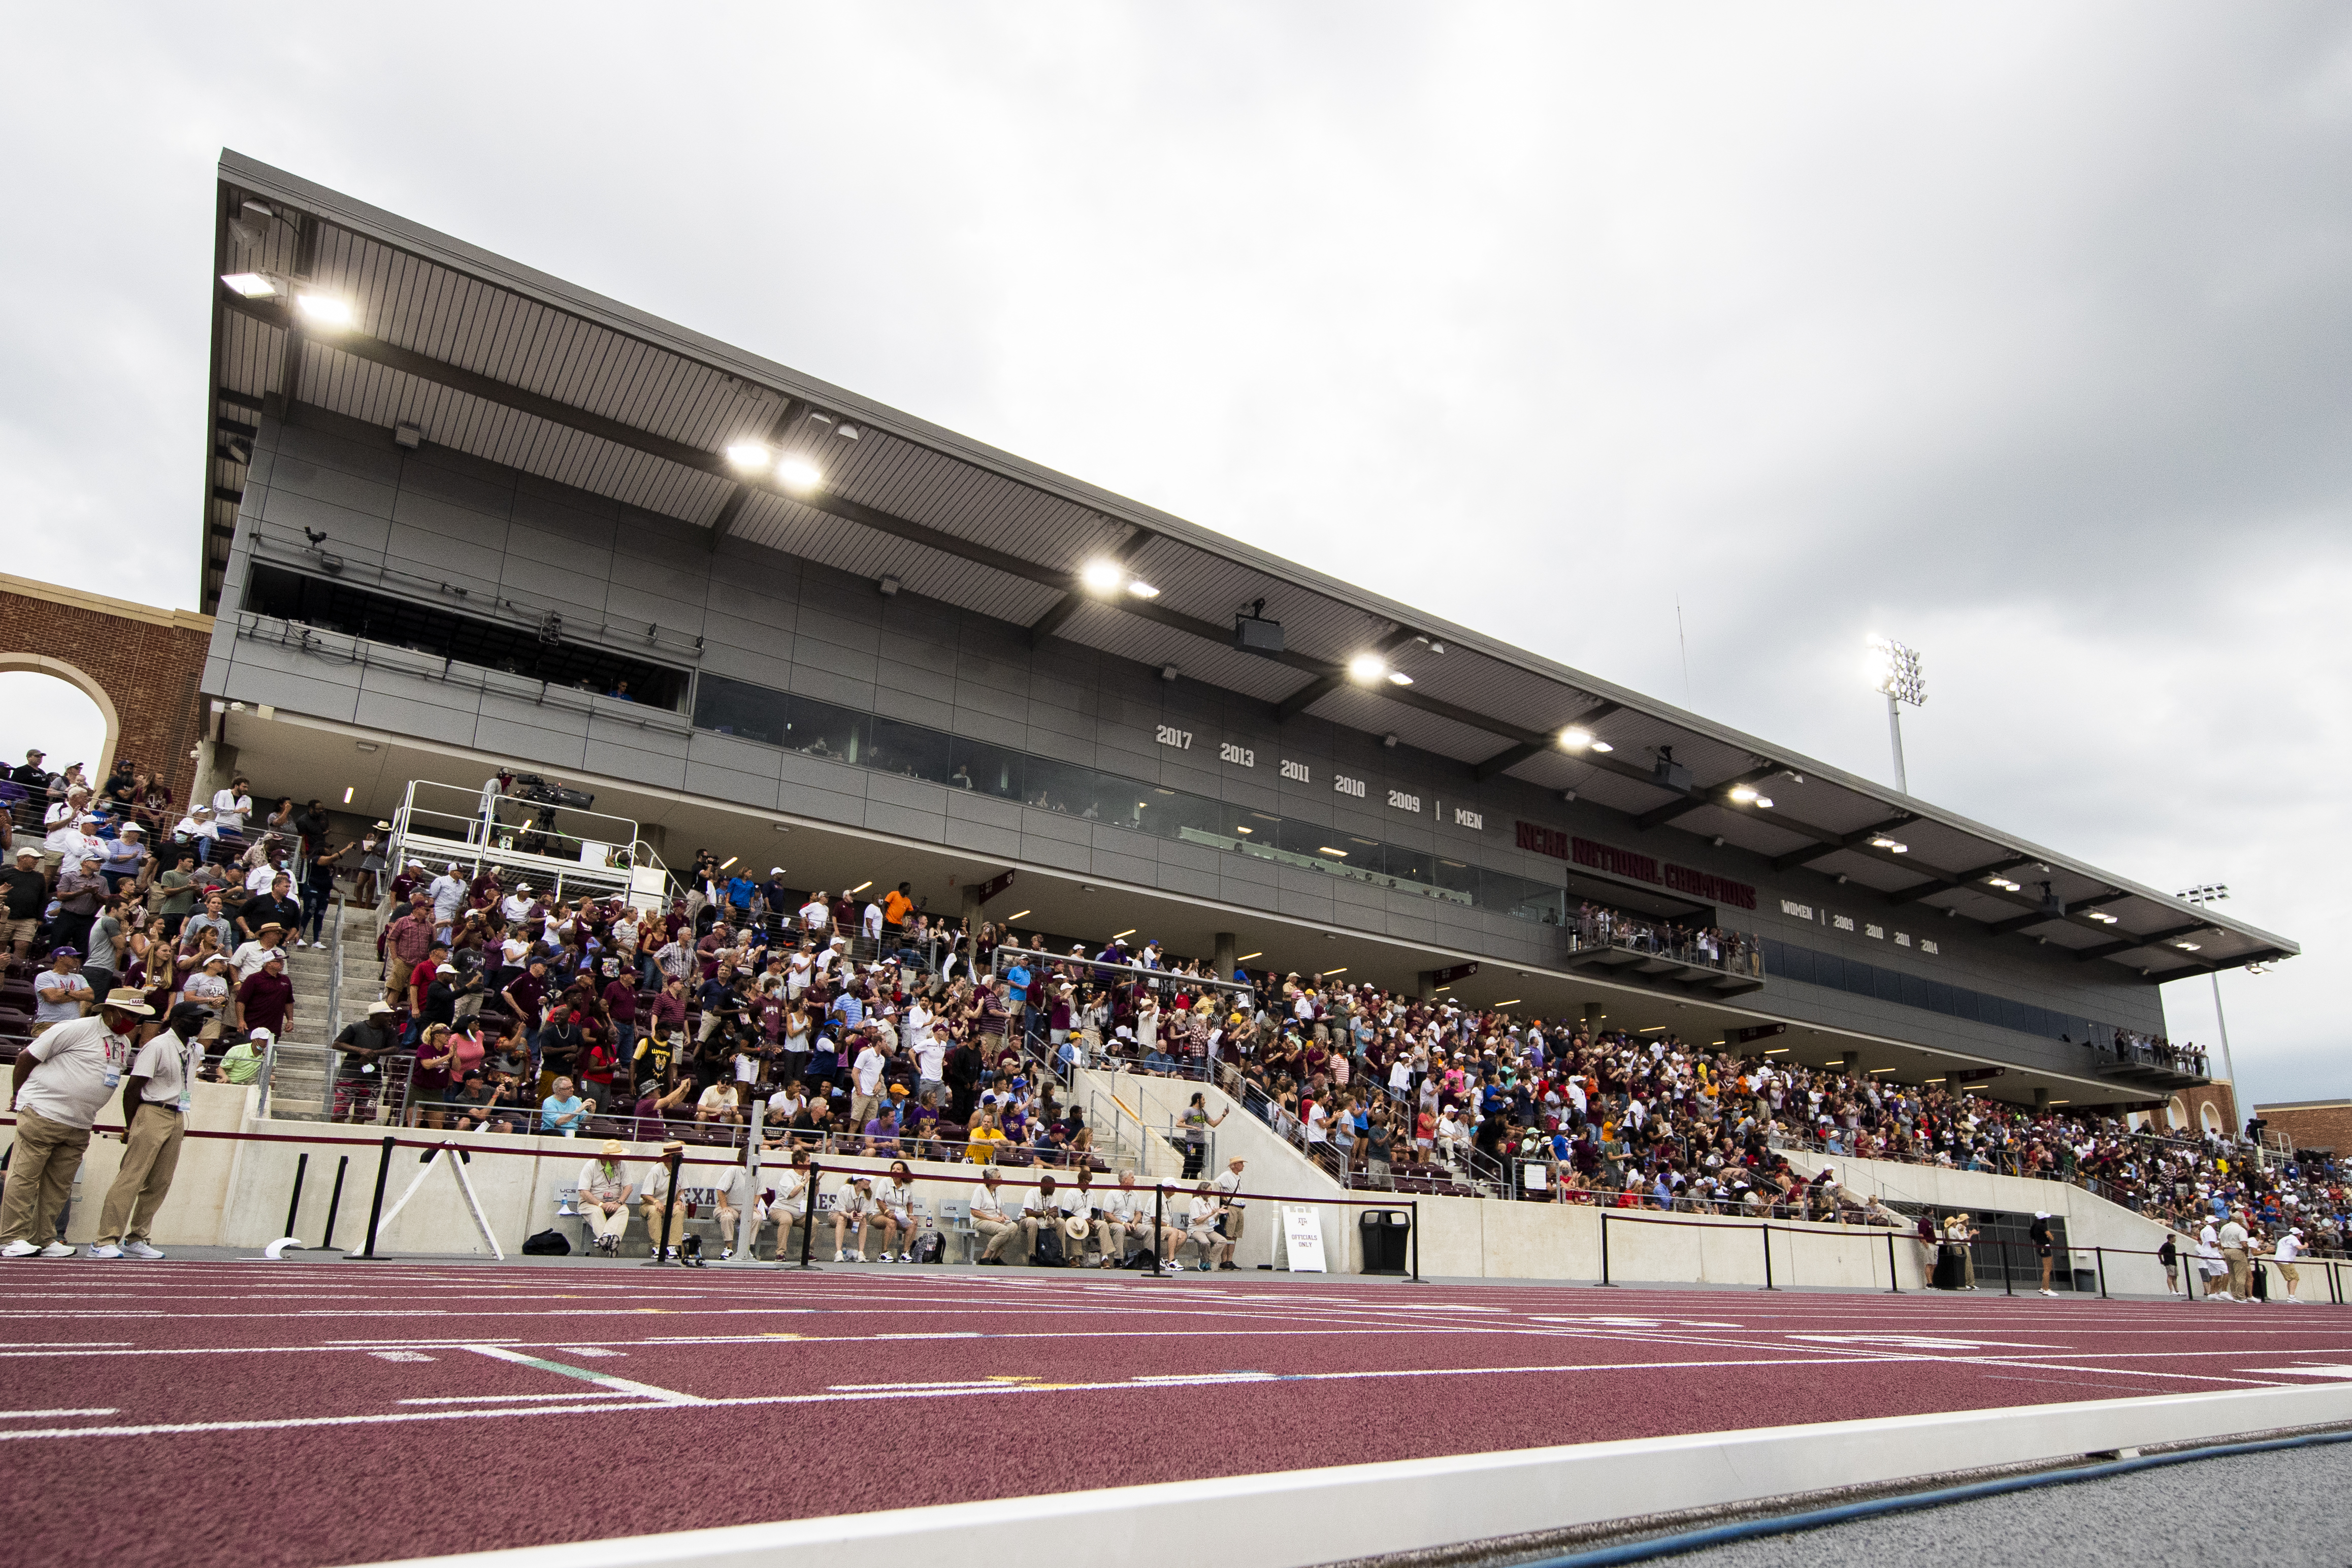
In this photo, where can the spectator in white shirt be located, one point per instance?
(2234, 1251)
(865, 1075)
(2289, 1248)
(1128, 1211)
(60, 995)
(991, 1225)
(231, 806)
(816, 914)
(721, 1102)
(731, 1190)
(872, 922)
(790, 1206)
(1044, 1206)
(60, 1081)
(655, 1192)
(1229, 1221)
(894, 1201)
(604, 1200)
(854, 1207)
(1201, 1226)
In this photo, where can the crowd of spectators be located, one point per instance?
(859, 1022)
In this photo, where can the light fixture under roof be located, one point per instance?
(252, 285)
(1326, 849)
(1892, 846)
(1574, 739)
(1102, 576)
(1744, 794)
(2102, 916)
(1602, 746)
(2188, 946)
(798, 475)
(1399, 678)
(1368, 667)
(749, 455)
(2005, 885)
(1142, 590)
(324, 309)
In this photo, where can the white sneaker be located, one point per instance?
(141, 1250)
(2220, 1295)
(106, 1249)
(18, 1249)
(57, 1250)
(841, 1255)
(2053, 1294)
(725, 1253)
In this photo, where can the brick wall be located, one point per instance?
(2313, 1125)
(149, 662)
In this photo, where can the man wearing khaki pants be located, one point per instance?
(2234, 1248)
(61, 1080)
(992, 1229)
(154, 1117)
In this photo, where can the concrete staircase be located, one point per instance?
(298, 1082)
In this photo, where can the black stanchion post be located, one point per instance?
(294, 1204)
(1159, 1223)
(2099, 1256)
(1765, 1232)
(2007, 1288)
(375, 1208)
(670, 1207)
(808, 1219)
(1892, 1283)
(1604, 1246)
(335, 1200)
(1416, 1241)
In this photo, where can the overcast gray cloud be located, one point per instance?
(2018, 333)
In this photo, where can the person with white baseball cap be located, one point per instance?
(60, 1081)
(2289, 1248)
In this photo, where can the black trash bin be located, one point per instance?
(1384, 1232)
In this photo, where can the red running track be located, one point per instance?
(303, 1413)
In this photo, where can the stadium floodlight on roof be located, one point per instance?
(1893, 669)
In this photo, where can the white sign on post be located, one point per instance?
(1302, 1236)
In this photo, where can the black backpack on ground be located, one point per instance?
(548, 1244)
(931, 1247)
(1047, 1253)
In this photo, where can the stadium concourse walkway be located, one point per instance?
(306, 1413)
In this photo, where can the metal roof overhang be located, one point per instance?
(520, 368)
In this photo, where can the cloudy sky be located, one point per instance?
(2017, 332)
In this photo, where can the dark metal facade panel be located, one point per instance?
(1359, 709)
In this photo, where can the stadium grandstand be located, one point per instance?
(734, 821)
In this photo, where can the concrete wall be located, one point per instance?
(2091, 1221)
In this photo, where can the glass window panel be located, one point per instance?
(740, 709)
(911, 751)
(985, 769)
(821, 729)
(1456, 876)
(1412, 865)
(1064, 788)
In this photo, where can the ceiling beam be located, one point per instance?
(1829, 843)
(2154, 939)
(1994, 868)
(1504, 760)
(1322, 685)
(1058, 613)
(736, 498)
(1714, 795)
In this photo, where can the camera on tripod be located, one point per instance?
(537, 790)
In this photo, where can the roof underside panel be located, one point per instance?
(928, 488)
(378, 394)
(781, 523)
(1149, 643)
(1213, 589)
(1360, 709)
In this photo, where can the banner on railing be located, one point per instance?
(1302, 1236)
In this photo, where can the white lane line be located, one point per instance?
(401, 1355)
(509, 1399)
(55, 1414)
(618, 1384)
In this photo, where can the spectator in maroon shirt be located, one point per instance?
(620, 996)
(266, 997)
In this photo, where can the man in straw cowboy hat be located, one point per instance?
(604, 1190)
(61, 1080)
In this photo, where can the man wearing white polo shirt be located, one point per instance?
(61, 1079)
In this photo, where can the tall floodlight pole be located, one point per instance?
(1894, 671)
(2213, 893)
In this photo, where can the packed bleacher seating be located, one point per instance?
(858, 1022)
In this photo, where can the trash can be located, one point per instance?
(2086, 1281)
(1384, 1232)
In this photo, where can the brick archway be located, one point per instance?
(142, 665)
(82, 681)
